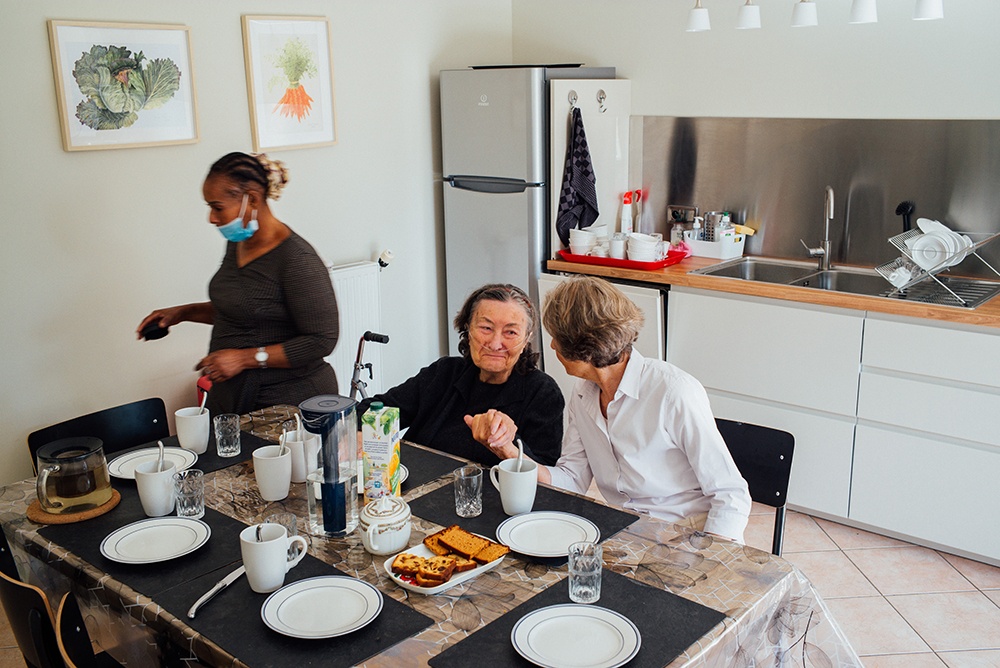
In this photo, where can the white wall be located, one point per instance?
(92, 241)
(896, 68)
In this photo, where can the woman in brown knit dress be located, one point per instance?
(271, 303)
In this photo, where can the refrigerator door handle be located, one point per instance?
(490, 185)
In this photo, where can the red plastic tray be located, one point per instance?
(672, 258)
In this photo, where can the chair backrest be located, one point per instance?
(120, 427)
(764, 457)
(7, 564)
(74, 641)
(30, 619)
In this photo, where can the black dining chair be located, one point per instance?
(74, 641)
(7, 565)
(30, 619)
(120, 427)
(764, 457)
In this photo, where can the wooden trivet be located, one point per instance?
(39, 516)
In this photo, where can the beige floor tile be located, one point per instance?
(908, 570)
(926, 660)
(11, 658)
(989, 658)
(874, 627)
(801, 534)
(982, 575)
(952, 621)
(761, 509)
(833, 574)
(6, 636)
(994, 595)
(849, 538)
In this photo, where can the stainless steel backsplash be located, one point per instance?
(772, 172)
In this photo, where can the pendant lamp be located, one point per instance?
(863, 11)
(804, 14)
(748, 16)
(927, 10)
(698, 19)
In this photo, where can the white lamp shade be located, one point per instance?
(698, 20)
(927, 10)
(748, 17)
(863, 11)
(804, 14)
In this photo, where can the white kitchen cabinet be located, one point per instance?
(821, 461)
(649, 344)
(789, 366)
(932, 488)
(796, 354)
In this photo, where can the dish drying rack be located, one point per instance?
(919, 274)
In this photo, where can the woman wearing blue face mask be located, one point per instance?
(271, 303)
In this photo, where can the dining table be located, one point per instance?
(695, 600)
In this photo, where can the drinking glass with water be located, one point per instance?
(469, 491)
(190, 492)
(227, 434)
(585, 563)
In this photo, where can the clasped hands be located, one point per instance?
(495, 430)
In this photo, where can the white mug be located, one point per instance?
(156, 488)
(193, 427)
(269, 559)
(616, 248)
(304, 448)
(517, 488)
(273, 472)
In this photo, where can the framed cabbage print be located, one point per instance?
(123, 85)
(289, 64)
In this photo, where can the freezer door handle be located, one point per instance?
(490, 185)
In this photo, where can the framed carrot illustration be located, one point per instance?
(289, 65)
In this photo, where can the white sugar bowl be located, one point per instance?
(385, 525)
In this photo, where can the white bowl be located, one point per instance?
(600, 230)
(580, 249)
(638, 236)
(581, 234)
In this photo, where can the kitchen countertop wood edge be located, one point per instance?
(987, 315)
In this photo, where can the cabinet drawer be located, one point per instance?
(793, 354)
(933, 350)
(946, 408)
(821, 461)
(936, 491)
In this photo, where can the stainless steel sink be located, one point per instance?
(853, 280)
(767, 270)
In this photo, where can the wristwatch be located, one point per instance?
(261, 357)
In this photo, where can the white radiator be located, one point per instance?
(359, 303)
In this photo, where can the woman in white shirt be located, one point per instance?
(641, 427)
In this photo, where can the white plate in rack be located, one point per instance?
(573, 635)
(322, 607)
(546, 533)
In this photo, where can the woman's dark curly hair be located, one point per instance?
(499, 292)
(251, 172)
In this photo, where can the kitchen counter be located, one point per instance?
(987, 315)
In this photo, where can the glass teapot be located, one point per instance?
(72, 475)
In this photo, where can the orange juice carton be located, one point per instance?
(380, 451)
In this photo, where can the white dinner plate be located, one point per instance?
(322, 607)
(546, 533)
(574, 636)
(404, 473)
(929, 251)
(421, 550)
(156, 539)
(123, 466)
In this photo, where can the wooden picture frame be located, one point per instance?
(283, 54)
(123, 85)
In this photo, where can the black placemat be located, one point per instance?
(439, 507)
(232, 621)
(424, 465)
(209, 461)
(667, 623)
(84, 540)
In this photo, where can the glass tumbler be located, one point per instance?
(290, 522)
(469, 491)
(189, 486)
(227, 434)
(585, 563)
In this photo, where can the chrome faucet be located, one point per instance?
(823, 251)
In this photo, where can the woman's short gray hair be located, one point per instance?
(591, 320)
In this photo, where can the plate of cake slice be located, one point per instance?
(444, 559)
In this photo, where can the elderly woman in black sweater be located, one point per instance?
(490, 395)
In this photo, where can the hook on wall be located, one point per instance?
(601, 97)
(572, 99)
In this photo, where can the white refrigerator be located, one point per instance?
(495, 165)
